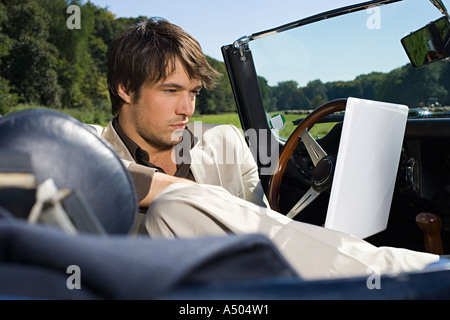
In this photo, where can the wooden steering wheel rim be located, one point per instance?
(318, 114)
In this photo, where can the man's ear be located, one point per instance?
(123, 93)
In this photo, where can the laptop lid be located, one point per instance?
(366, 168)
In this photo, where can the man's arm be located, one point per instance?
(160, 181)
(149, 182)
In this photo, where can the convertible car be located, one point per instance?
(295, 86)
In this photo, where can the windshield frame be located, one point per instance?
(242, 73)
(312, 19)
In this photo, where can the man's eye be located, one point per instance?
(196, 91)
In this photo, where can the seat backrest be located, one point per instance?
(67, 151)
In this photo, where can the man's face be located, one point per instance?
(157, 119)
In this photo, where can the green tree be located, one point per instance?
(30, 65)
(269, 100)
(368, 83)
(411, 86)
(344, 89)
(444, 79)
(220, 99)
(316, 92)
(290, 97)
(317, 101)
(206, 105)
(7, 98)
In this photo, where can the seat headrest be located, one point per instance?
(67, 151)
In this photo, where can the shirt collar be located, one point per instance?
(142, 157)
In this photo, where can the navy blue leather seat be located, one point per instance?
(34, 259)
(64, 149)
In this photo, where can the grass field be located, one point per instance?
(319, 130)
(225, 118)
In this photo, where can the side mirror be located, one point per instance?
(428, 44)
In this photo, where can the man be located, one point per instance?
(153, 85)
(199, 180)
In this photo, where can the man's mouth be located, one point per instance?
(179, 126)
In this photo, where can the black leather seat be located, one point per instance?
(65, 149)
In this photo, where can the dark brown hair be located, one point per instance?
(147, 52)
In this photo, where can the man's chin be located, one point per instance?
(177, 136)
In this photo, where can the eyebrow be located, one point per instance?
(176, 85)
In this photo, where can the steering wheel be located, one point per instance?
(323, 164)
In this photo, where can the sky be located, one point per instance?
(217, 23)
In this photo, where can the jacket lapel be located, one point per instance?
(113, 138)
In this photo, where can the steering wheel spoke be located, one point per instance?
(315, 151)
(304, 201)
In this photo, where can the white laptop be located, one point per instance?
(366, 168)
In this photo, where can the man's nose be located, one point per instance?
(186, 105)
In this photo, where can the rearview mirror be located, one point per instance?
(428, 44)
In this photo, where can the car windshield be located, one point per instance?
(359, 54)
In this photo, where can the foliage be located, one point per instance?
(44, 62)
(407, 85)
(97, 116)
(219, 100)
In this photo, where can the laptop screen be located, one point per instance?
(366, 168)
